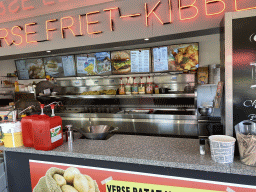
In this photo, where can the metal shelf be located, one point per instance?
(152, 74)
(180, 95)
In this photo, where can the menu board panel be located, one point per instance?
(60, 66)
(93, 64)
(30, 69)
(131, 61)
(160, 59)
(181, 57)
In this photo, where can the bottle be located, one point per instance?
(121, 88)
(42, 109)
(69, 137)
(156, 89)
(55, 82)
(202, 146)
(128, 90)
(16, 84)
(149, 87)
(34, 84)
(141, 87)
(52, 108)
(48, 77)
(135, 87)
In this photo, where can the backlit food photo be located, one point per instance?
(183, 57)
(103, 63)
(121, 62)
(35, 68)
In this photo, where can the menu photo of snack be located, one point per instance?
(35, 68)
(53, 66)
(103, 63)
(69, 180)
(183, 57)
(121, 62)
(89, 66)
(86, 65)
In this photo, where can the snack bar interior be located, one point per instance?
(127, 96)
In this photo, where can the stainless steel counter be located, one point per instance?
(174, 95)
(161, 124)
(147, 150)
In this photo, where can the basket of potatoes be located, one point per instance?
(69, 180)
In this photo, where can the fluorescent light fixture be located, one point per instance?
(48, 51)
(146, 39)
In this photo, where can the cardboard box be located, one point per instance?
(202, 75)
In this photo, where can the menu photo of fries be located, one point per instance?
(86, 65)
(183, 57)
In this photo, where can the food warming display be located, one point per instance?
(182, 57)
(170, 112)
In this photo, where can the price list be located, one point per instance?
(160, 59)
(140, 61)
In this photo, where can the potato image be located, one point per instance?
(59, 179)
(68, 188)
(69, 180)
(91, 183)
(81, 183)
(70, 173)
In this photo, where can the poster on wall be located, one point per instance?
(177, 58)
(93, 64)
(21, 69)
(244, 68)
(50, 176)
(131, 61)
(60, 66)
(30, 69)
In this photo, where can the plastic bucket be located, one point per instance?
(12, 139)
(222, 148)
(11, 134)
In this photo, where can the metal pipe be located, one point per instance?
(54, 102)
(14, 115)
(30, 107)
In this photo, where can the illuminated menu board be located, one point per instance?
(181, 57)
(131, 61)
(30, 69)
(60, 66)
(93, 64)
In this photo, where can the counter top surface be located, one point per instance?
(147, 150)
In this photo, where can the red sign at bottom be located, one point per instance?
(49, 176)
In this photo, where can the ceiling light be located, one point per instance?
(48, 51)
(146, 39)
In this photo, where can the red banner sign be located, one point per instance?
(46, 176)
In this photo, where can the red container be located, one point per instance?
(26, 127)
(47, 133)
(27, 133)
